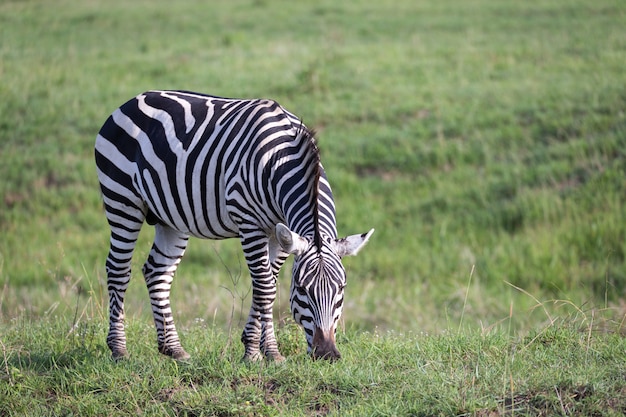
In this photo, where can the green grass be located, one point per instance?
(484, 136)
(570, 368)
(485, 141)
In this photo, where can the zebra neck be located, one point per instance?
(301, 189)
(313, 220)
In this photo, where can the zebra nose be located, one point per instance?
(324, 345)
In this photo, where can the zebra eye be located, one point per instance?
(301, 290)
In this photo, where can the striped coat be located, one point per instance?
(216, 168)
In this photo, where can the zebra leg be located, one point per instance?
(268, 344)
(167, 251)
(258, 335)
(123, 239)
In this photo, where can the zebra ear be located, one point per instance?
(289, 241)
(351, 245)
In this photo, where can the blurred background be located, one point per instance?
(484, 140)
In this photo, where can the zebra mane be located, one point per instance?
(308, 135)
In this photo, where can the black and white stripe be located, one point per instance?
(216, 168)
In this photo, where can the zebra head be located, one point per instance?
(317, 285)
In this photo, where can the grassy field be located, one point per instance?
(484, 140)
(566, 369)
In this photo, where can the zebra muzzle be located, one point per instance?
(324, 345)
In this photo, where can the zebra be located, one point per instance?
(195, 165)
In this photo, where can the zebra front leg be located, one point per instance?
(269, 345)
(167, 251)
(258, 335)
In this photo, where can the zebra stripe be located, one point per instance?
(211, 167)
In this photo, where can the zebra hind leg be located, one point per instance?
(166, 253)
(118, 263)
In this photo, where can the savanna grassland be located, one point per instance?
(485, 141)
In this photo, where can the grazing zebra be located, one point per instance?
(215, 168)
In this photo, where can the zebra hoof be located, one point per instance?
(276, 358)
(181, 355)
(119, 354)
(178, 354)
(258, 357)
(252, 357)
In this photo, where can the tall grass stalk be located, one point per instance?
(469, 283)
